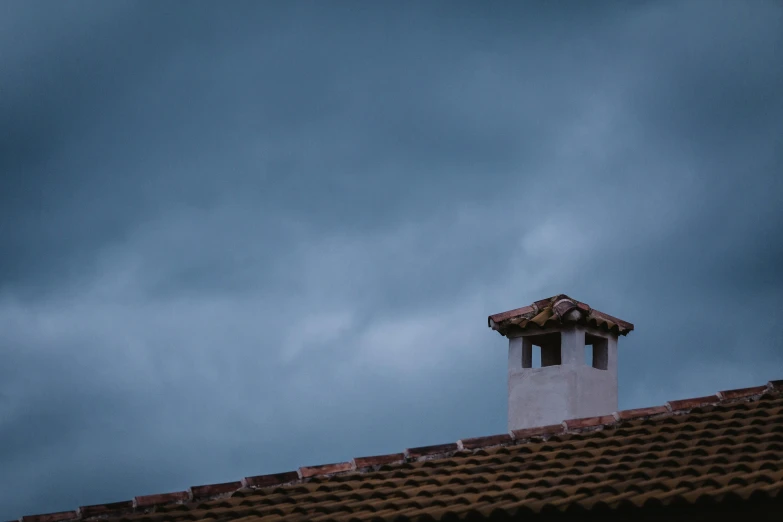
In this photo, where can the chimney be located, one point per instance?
(568, 384)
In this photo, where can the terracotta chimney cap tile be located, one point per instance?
(51, 517)
(540, 431)
(484, 442)
(555, 310)
(543, 303)
(211, 490)
(563, 306)
(687, 404)
(378, 460)
(503, 316)
(741, 393)
(437, 449)
(272, 479)
(324, 469)
(160, 499)
(625, 324)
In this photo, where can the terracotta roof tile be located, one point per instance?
(542, 431)
(589, 422)
(159, 499)
(742, 392)
(324, 469)
(424, 451)
(483, 442)
(51, 517)
(273, 479)
(211, 490)
(104, 509)
(651, 459)
(555, 311)
(512, 313)
(378, 460)
(688, 404)
(640, 412)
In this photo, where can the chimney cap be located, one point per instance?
(555, 311)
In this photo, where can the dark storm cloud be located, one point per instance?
(237, 241)
(276, 96)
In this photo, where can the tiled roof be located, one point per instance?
(725, 449)
(555, 311)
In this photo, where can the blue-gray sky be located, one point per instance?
(242, 238)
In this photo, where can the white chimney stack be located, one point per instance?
(567, 385)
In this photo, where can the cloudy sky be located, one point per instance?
(239, 240)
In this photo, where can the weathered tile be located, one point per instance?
(589, 422)
(553, 311)
(741, 393)
(162, 498)
(378, 460)
(52, 517)
(640, 412)
(541, 431)
(105, 509)
(484, 442)
(272, 479)
(437, 449)
(213, 490)
(324, 469)
(689, 404)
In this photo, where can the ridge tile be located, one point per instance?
(687, 404)
(324, 469)
(161, 498)
(589, 422)
(640, 412)
(102, 509)
(427, 451)
(484, 442)
(378, 460)
(741, 393)
(51, 517)
(541, 431)
(213, 490)
(272, 479)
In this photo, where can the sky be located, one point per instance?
(236, 239)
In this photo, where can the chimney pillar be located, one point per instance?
(572, 346)
(516, 354)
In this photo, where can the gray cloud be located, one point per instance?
(241, 241)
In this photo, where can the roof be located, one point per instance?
(724, 449)
(556, 311)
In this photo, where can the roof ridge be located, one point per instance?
(141, 504)
(558, 309)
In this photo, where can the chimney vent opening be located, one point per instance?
(596, 352)
(542, 350)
